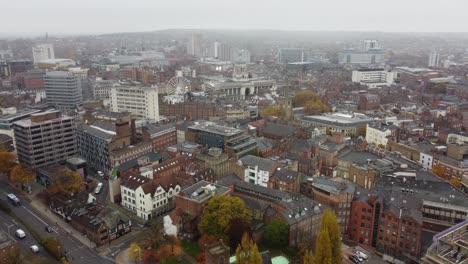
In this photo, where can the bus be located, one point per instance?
(13, 199)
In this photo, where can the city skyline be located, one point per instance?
(106, 16)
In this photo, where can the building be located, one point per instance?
(336, 195)
(211, 135)
(56, 64)
(378, 133)
(240, 146)
(12, 67)
(43, 52)
(147, 197)
(257, 170)
(449, 246)
(44, 139)
(101, 88)
(63, 90)
(351, 124)
(161, 136)
(191, 110)
(215, 159)
(7, 120)
(284, 179)
(140, 101)
(6, 54)
(374, 78)
(241, 56)
(434, 59)
(290, 55)
(222, 51)
(195, 47)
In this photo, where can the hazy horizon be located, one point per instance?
(34, 18)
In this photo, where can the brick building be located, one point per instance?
(161, 136)
(192, 110)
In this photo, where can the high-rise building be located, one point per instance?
(45, 138)
(434, 58)
(195, 48)
(222, 51)
(43, 52)
(140, 101)
(290, 55)
(241, 56)
(369, 52)
(63, 90)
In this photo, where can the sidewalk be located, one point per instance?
(47, 213)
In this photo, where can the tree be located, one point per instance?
(54, 247)
(330, 224)
(277, 234)
(134, 251)
(439, 88)
(300, 98)
(219, 211)
(247, 252)
(155, 234)
(236, 229)
(22, 174)
(455, 182)
(314, 107)
(309, 258)
(71, 182)
(273, 111)
(323, 250)
(439, 171)
(13, 256)
(7, 162)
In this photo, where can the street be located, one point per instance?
(75, 250)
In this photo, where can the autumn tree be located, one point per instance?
(22, 174)
(13, 256)
(54, 247)
(300, 98)
(219, 211)
(439, 171)
(7, 162)
(134, 251)
(276, 234)
(455, 182)
(155, 234)
(71, 183)
(247, 252)
(309, 258)
(439, 88)
(323, 250)
(273, 111)
(236, 229)
(315, 107)
(330, 224)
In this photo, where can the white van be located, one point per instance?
(20, 233)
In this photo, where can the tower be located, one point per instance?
(434, 58)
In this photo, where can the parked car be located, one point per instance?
(100, 173)
(98, 188)
(34, 248)
(362, 255)
(20, 233)
(359, 258)
(353, 259)
(49, 229)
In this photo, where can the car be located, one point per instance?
(98, 188)
(34, 248)
(359, 258)
(353, 259)
(100, 173)
(13, 199)
(49, 229)
(362, 255)
(20, 233)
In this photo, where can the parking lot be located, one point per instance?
(372, 259)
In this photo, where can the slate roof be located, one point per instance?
(263, 164)
(279, 130)
(285, 174)
(95, 132)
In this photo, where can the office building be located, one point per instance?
(222, 51)
(44, 139)
(373, 78)
(63, 90)
(140, 101)
(43, 52)
(195, 47)
(290, 55)
(13, 67)
(434, 59)
(369, 52)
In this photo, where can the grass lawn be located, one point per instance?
(191, 248)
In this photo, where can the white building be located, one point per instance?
(101, 88)
(241, 56)
(78, 71)
(43, 52)
(6, 54)
(377, 133)
(146, 197)
(434, 59)
(257, 170)
(140, 101)
(426, 160)
(373, 78)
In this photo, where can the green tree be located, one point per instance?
(330, 224)
(276, 234)
(71, 183)
(273, 111)
(7, 162)
(247, 252)
(218, 213)
(323, 250)
(309, 258)
(134, 251)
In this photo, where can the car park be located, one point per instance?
(20, 233)
(362, 255)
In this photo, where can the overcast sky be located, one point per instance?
(106, 16)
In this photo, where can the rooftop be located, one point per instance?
(214, 128)
(203, 191)
(251, 161)
(344, 119)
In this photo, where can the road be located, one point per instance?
(76, 251)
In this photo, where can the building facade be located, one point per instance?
(141, 101)
(43, 52)
(45, 139)
(63, 90)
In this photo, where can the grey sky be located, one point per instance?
(104, 16)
